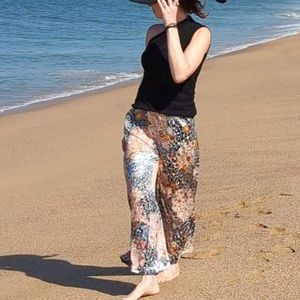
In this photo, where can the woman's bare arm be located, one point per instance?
(183, 64)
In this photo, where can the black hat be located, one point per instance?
(150, 2)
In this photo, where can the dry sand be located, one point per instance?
(64, 217)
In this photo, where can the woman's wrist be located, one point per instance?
(170, 25)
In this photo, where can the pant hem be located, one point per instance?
(149, 271)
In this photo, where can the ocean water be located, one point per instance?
(51, 49)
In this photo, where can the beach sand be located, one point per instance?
(64, 212)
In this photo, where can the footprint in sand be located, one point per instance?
(213, 236)
(259, 226)
(285, 237)
(255, 275)
(212, 214)
(276, 250)
(264, 211)
(262, 225)
(212, 219)
(261, 258)
(266, 256)
(208, 253)
(259, 263)
(280, 249)
(278, 230)
(244, 204)
(234, 211)
(256, 201)
(249, 203)
(275, 231)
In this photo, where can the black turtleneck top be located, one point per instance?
(158, 92)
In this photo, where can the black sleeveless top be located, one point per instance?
(157, 91)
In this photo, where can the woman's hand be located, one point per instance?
(169, 9)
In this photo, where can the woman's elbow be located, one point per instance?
(181, 75)
(180, 78)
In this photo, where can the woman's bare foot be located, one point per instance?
(169, 274)
(188, 252)
(147, 287)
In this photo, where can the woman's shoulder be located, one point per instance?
(154, 30)
(198, 25)
(200, 30)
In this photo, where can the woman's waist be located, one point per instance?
(168, 106)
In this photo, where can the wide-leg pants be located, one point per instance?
(161, 162)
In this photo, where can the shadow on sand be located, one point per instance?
(63, 273)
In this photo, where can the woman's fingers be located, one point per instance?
(167, 3)
(173, 3)
(162, 4)
(169, 10)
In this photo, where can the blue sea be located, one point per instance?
(52, 49)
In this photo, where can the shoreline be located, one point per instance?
(130, 82)
(57, 101)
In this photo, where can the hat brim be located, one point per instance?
(148, 2)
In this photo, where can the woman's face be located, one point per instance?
(156, 10)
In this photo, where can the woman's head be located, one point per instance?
(188, 6)
(156, 10)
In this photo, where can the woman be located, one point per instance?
(161, 151)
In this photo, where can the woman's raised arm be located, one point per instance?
(183, 63)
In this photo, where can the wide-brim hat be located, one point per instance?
(150, 2)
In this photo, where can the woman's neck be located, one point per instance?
(181, 15)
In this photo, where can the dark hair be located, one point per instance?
(194, 6)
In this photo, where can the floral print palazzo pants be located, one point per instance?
(161, 162)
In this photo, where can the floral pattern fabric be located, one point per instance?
(161, 163)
